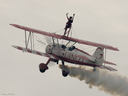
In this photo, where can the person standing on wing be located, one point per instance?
(69, 23)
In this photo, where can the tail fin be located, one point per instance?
(99, 55)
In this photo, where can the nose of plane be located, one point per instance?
(48, 48)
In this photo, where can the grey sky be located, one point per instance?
(103, 21)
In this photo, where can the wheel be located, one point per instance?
(42, 70)
(94, 70)
(43, 67)
(62, 62)
(57, 61)
(64, 73)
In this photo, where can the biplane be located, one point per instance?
(63, 52)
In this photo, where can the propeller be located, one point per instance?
(48, 39)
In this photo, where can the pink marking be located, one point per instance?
(100, 48)
(62, 54)
(109, 63)
(28, 50)
(101, 55)
(65, 54)
(82, 51)
(20, 48)
(72, 56)
(38, 53)
(47, 55)
(83, 57)
(76, 61)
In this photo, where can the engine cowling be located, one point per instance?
(43, 67)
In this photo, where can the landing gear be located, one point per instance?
(42, 70)
(43, 67)
(94, 70)
(64, 73)
(57, 61)
(65, 70)
(62, 62)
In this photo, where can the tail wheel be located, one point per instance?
(43, 67)
(94, 70)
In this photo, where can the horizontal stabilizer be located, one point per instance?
(34, 52)
(107, 62)
(107, 67)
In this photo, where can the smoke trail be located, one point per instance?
(111, 83)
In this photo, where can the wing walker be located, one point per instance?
(64, 52)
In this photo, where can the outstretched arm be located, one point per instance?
(67, 15)
(73, 16)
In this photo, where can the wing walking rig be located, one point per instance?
(59, 52)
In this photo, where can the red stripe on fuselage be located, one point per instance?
(83, 51)
(79, 62)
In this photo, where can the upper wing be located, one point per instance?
(91, 43)
(37, 31)
(35, 52)
(64, 37)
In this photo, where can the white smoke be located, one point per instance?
(111, 83)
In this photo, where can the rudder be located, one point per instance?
(99, 55)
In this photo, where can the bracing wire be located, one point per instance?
(58, 31)
(71, 32)
(76, 37)
(40, 44)
(81, 45)
(105, 56)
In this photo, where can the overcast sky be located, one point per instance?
(102, 21)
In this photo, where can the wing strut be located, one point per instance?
(53, 40)
(29, 37)
(105, 56)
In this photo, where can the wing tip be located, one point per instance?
(112, 48)
(107, 62)
(14, 46)
(117, 49)
(13, 25)
(16, 25)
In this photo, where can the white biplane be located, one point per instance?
(64, 53)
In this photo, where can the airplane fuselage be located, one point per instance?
(70, 54)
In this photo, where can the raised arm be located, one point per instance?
(67, 16)
(73, 16)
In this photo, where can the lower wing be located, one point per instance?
(35, 52)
